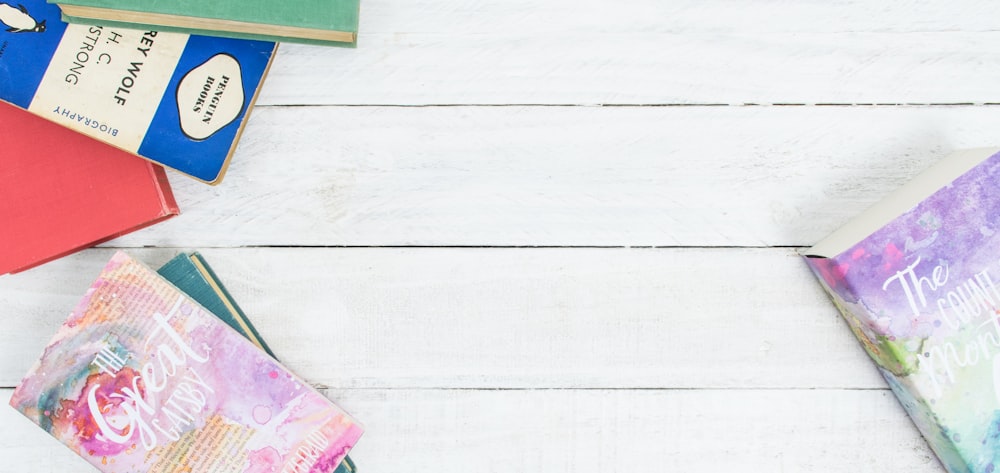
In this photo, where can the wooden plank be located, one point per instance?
(547, 17)
(576, 176)
(579, 66)
(565, 52)
(585, 431)
(503, 318)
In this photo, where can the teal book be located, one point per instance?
(330, 22)
(179, 100)
(191, 274)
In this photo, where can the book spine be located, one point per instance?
(833, 278)
(250, 106)
(163, 189)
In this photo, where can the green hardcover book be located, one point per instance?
(332, 22)
(191, 274)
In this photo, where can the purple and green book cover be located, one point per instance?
(922, 294)
(142, 378)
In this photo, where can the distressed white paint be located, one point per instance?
(563, 359)
(505, 318)
(679, 16)
(717, 176)
(651, 52)
(641, 68)
(593, 431)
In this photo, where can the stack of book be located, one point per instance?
(162, 372)
(153, 371)
(170, 82)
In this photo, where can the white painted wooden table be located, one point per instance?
(560, 235)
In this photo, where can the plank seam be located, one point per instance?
(651, 105)
(396, 388)
(540, 247)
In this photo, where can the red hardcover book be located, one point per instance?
(61, 191)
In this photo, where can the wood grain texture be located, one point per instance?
(650, 52)
(594, 176)
(593, 431)
(440, 228)
(504, 318)
(640, 68)
(679, 16)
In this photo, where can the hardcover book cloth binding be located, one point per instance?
(142, 378)
(61, 191)
(326, 22)
(179, 100)
(917, 277)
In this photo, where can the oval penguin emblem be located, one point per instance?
(210, 96)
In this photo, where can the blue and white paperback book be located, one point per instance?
(175, 99)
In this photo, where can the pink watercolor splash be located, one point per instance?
(265, 460)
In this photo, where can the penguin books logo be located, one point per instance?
(210, 97)
(18, 20)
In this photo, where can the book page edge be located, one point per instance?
(905, 198)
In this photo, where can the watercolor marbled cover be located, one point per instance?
(141, 378)
(922, 294)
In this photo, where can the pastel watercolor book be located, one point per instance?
(192, 274)
(142, 378)
(176, 99)
(917, 277)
